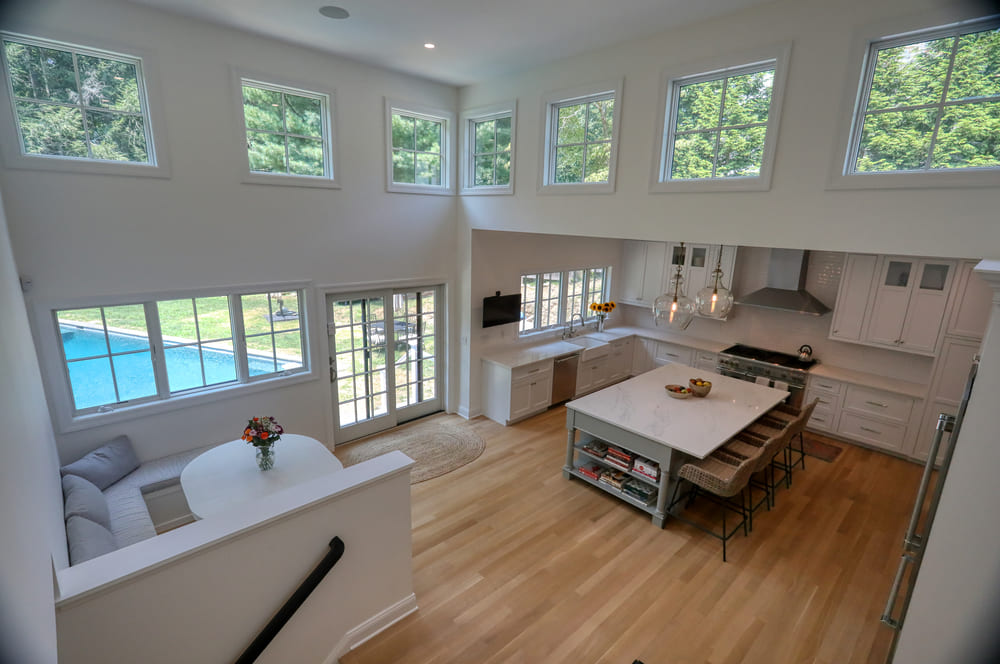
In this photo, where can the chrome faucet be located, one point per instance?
(570, 332)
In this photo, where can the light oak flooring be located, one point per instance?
(512, 563)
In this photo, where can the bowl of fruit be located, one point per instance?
(678, 391)
(700, 387)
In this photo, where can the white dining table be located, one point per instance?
(227, 475)
(640, 416)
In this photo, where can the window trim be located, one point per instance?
(153, 118)
(856, 93)
(331, 177)
(713, 69)
(55, 371)
(447, 118)
(467, 119)
(555, 99)
(563, 297)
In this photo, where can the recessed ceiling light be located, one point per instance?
(331, 11)
(430, 45)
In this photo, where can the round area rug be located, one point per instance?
(437, 446)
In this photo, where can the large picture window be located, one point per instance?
(77, 103)
(551, 299)
(127, 354)
(930, 101)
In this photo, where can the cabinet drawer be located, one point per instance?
(894, 407)
(668, 352)
(874, 432)
(827, 401)
(825, 385)
(531, 370)
(823, 419)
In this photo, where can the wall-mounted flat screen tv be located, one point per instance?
(501, 309)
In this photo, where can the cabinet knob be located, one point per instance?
(836, 331)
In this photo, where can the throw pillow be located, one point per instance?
(87, 539)
(84, 499)
(105, 465)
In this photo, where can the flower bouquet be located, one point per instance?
(602, 309)
(263, 433)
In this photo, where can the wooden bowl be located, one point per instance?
(700, 390)
(678, 391)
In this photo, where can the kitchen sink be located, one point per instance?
(591, 347)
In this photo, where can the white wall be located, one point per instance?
(798, 211)
(94, 235)
(28, 477)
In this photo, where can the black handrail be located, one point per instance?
(284, 614)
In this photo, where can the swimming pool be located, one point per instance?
(93, 385)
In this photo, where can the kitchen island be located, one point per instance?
(639, 416)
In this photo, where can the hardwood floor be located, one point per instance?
(513, 563)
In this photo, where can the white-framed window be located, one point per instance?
(720, 124)
(419, 140)
(77, 108)
(488, 137)
(925, 109)
(580, 151)
(551, 299)
(287, 133)
(116, 356)
(929, 102)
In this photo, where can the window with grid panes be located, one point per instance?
(491, 149)
(416, 340)
(551, 299)
(287, 130)
(581, 136)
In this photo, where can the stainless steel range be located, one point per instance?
(760, 365)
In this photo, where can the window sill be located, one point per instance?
(931, 180)
(578, 188)
(501, 190)
(402, 188)
(282, 180)
(714, 185)
(85, 166)
(208, 395)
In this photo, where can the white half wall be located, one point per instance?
(31, 511)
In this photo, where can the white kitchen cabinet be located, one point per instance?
(693, 259)
(592, 374)
(643, 355)
(829, 395)
(853, 296)
(909, 302)
(667, 352)
(512, 394)
(620, 359)
(951, 371)
(972, 304)
(706, 361)
(642, 272)
(861, 413)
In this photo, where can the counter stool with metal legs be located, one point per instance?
(722, 476)
(763, 450)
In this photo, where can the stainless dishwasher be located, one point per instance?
(564, 378)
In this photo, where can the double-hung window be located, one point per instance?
(288, 134)
(419, 140)
(552, 299)
(929, 102)
(720, 127)
(122, 355)
(76, 108)
(581, 140)
(488, 150)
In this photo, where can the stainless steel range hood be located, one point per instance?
(786, 285)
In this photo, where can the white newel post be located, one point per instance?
(955, 606)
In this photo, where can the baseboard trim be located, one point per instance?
(463, 412)
(373, 626)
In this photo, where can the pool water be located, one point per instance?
(92, 381)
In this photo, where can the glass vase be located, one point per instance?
(265, 457)
(600, 323)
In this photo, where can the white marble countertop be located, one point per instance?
(696, 426)
(915, 390)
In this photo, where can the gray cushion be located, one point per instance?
(84, 499)
(105, 465)
(87, 539)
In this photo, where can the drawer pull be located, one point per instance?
(825, 386)
(822, 400)
(876, 403)
(871, 430)
(671, 354)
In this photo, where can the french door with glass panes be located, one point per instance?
(384, 363)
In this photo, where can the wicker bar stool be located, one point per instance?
(762, 451)
(722, 475)
(793, 422)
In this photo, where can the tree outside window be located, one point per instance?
(416, 149)
(285, 130)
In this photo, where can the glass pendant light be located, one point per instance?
(675, 309)
(715, 301)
